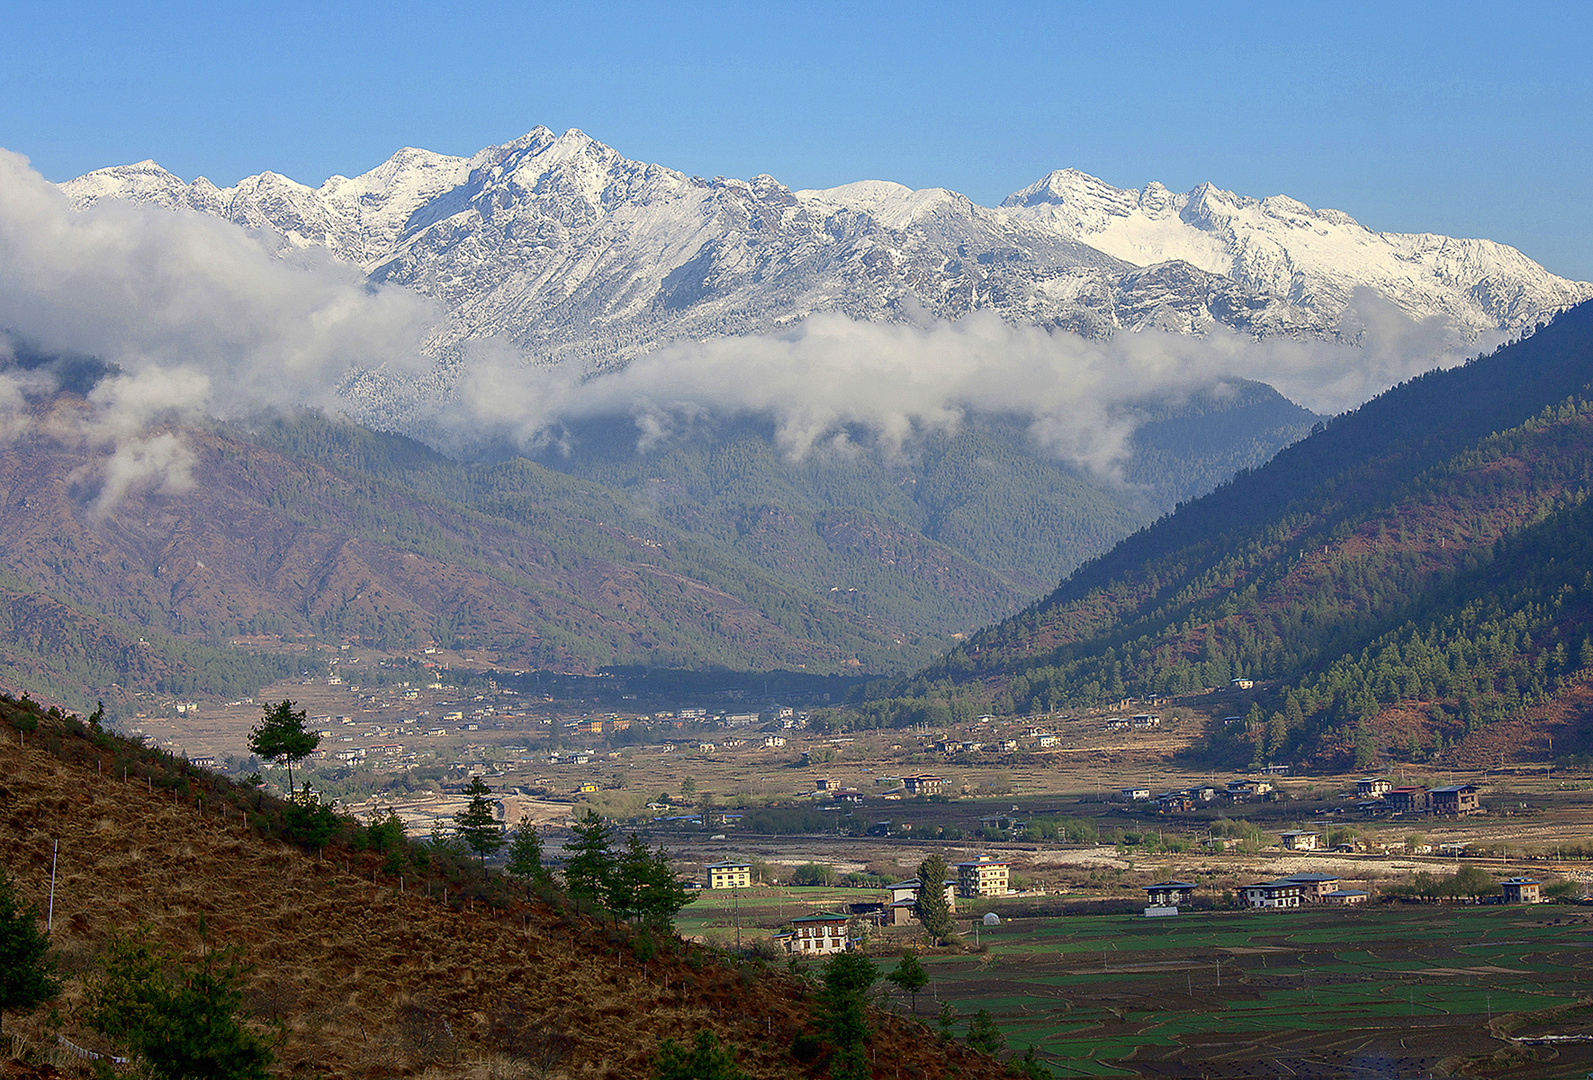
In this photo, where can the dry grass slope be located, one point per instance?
(368, 980)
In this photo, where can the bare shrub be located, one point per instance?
(424, 1031)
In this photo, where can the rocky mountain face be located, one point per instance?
(577, 253)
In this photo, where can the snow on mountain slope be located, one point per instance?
(1280, 247)
(578, 254)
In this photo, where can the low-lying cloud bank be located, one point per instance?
(202, 317)
(831, 375)
(199, 316)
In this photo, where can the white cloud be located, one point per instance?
(201, 317)
(147, 288)
(831, 374)
(162, 463)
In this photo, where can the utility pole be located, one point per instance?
(49, 922)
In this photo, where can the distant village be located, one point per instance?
(987, 876)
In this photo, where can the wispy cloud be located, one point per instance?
(830, 376)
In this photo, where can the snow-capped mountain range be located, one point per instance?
(579, 254)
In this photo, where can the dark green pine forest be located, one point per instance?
(1414, 574)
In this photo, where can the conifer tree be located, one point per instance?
(983, 1034)
(27, 974)
(847, 979)
(281, 735)
(477, 825)
(931, 906)
(910, 977)
(646, 885)
(589, 871)
(182, 1023)
(706, 1060)
(525, 858)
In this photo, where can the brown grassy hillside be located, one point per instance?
(368, 980)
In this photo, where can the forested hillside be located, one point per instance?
(711, 551)
(1414, 572)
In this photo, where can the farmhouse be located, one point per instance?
(1372, 787)
(1520, 890)
(987, 876)
(1409, 800)
(908, 890)
(923, 784)
(1458, 800)
(1282, 893)
(1346, 897)
(1169, 893)
(729, 875)
(1135, 794)
(904, 900)
(1002, 823)
(1175, 802)
(1299, 841)
(1313, 887)
(819, 934)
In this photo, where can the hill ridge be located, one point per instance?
(1396, 520)
(371, 980)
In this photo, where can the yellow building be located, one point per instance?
(729, 875)
(985, 877)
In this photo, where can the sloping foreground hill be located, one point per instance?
(368, 980)
(1400, 581)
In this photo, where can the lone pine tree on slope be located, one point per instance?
(477, 824)
(281, 735)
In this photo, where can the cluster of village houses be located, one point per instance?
(1375, 796)
(828, 932)
(1164, 897)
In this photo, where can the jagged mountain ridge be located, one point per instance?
(578, 253)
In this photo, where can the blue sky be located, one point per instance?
(1458, 118)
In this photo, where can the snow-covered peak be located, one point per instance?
(423, 172)
(563, 244)
(892, 205)
(142, 181)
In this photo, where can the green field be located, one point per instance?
(1410, 990)
(1314, 992)
(714, 915)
